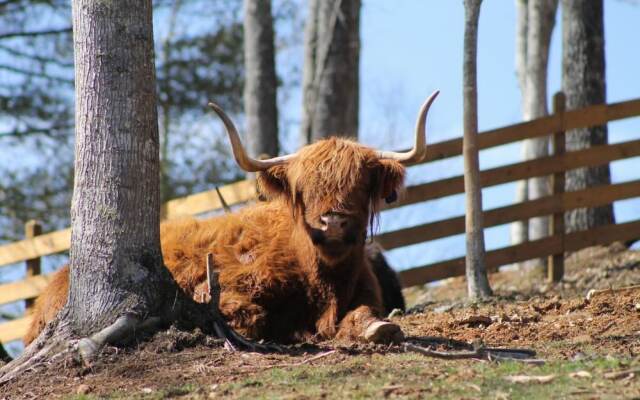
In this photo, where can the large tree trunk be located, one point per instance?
(331, 75)
(260, 90)
(116, 262)
(583, 82)
(536, 19)
(477, 282)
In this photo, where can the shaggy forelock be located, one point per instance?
(330, 169)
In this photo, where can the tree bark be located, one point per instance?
(116, 262)
(260, 90)
(477, 282)
(331, 70)
(535, 26)
(583, 82)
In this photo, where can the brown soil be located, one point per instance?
(555, 320)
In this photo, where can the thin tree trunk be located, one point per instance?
(583, 82)
(477, 282)
(331, 94)
(309, 70)
(116, 263)
(541, 16)
(166, 191)
(536, 19)
(520, 229)
(260, 90)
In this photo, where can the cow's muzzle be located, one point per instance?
(335, 228)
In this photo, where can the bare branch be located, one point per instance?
(35, 33)
(36, 74)
(30, 131)
(34, 57)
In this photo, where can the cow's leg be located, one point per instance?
(363, 320)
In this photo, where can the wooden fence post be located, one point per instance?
(555, 263)
(32, 229)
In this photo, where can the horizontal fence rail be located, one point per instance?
(525, 251)
(591, 197)
(32, 248)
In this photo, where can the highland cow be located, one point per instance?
(292, 268)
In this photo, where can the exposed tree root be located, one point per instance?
(89, 347)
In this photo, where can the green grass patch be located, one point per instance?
(410, 375)
(414, 376)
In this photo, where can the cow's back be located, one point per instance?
(235, 240)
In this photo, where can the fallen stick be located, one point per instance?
(480, 353)
(457, 355)
(622, 374)
(225, 206)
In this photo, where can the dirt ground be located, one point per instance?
(591, 348)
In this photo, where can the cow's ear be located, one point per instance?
(273, 182)
(389, 180)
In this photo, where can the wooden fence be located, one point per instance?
(36, 244)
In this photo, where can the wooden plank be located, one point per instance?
(588, 116)
(14, 329)
(32, 229)
(623, 109)
(591, 197)
(534, 249)
(235, 193)
(27, 288)
(48, 243)
(602, 235)
(593, 156)
(555, 262)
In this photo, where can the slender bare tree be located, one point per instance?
(535, 23)
(260, 90)
(583, 82)
(477, 281)
(331, 77)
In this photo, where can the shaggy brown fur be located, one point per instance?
(276, 283)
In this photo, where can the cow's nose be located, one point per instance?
(333, 223)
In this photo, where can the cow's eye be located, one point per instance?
(392, 197)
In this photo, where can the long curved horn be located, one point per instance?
(242, 158)
(419, 150)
